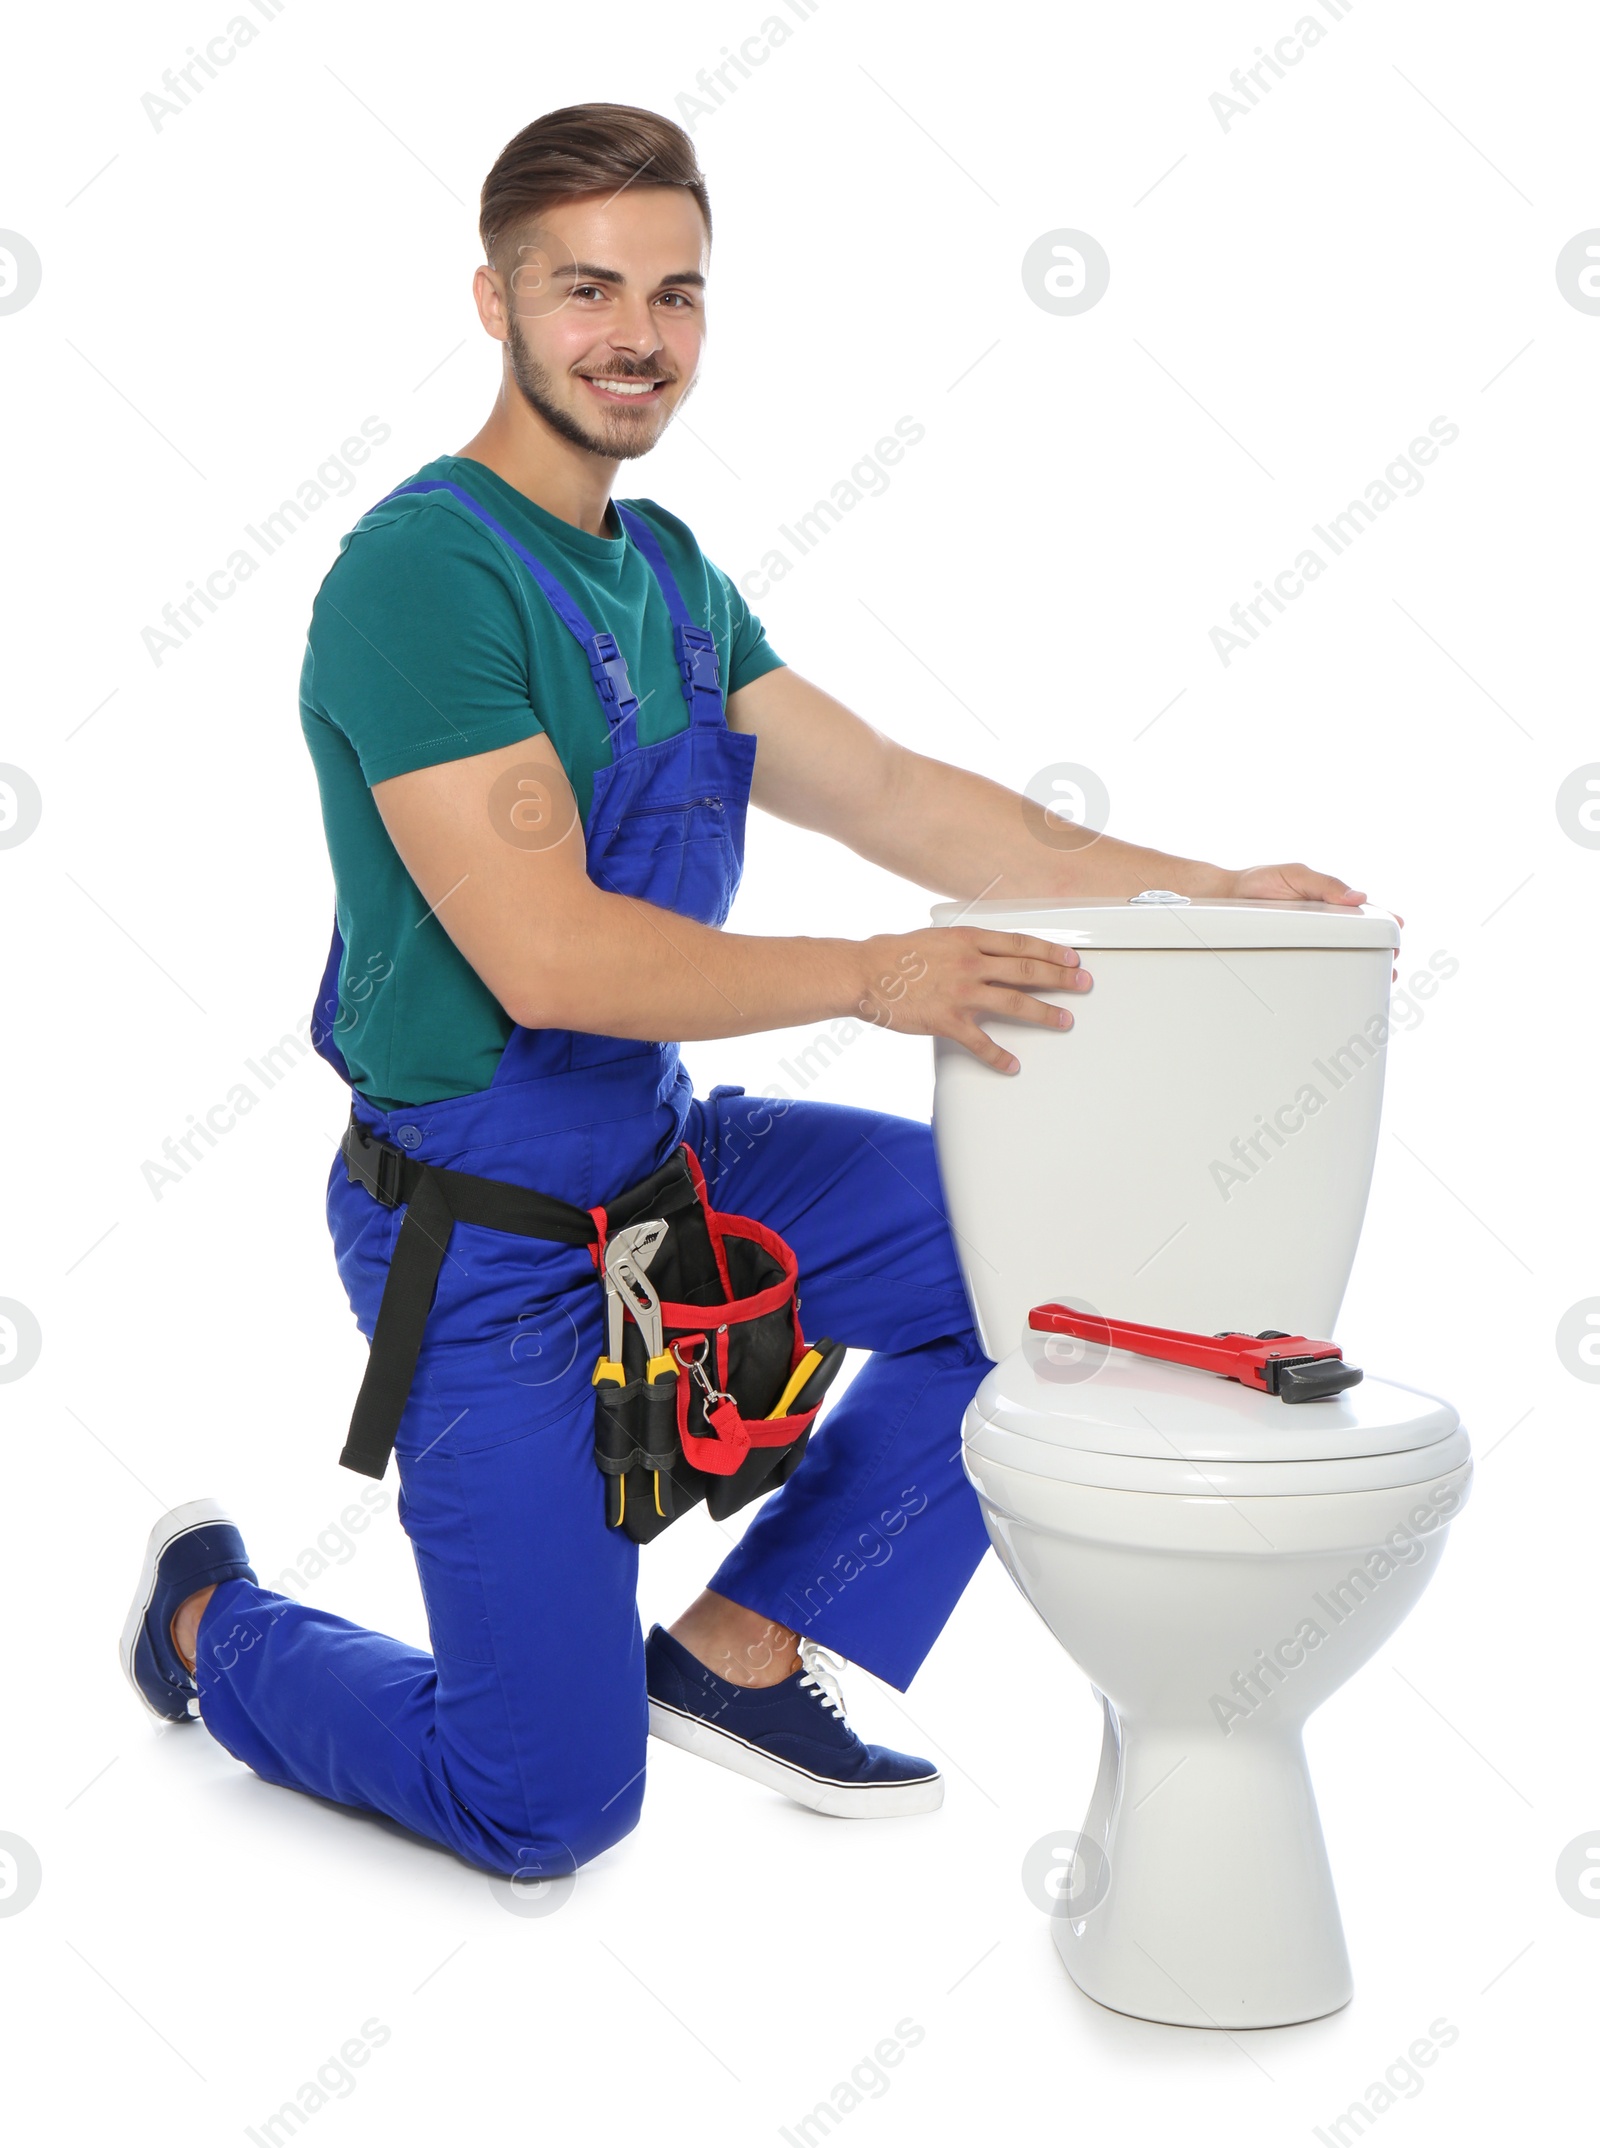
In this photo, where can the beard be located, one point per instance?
(616, 437)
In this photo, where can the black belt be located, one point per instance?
(434, 1202)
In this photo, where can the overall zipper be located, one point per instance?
(686, 805)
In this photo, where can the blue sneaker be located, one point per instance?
(189, 1549)
(792, 1736)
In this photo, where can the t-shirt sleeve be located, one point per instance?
(750, 654)
(418, 653)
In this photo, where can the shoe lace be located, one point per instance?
(820, 1673)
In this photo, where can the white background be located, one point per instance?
(1292, 300)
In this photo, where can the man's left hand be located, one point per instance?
(1296, 883)
(1291, 883)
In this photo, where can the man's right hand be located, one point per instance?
(945, 980)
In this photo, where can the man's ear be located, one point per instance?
(489, 296)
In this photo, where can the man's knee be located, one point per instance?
(554, 1844)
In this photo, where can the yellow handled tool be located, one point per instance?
(609, 1366)
(814, 1373)
(627, 1257)
(797, 1379)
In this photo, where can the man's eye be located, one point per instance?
(588, 290)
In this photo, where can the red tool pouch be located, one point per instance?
(730, 1320)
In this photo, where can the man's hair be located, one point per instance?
(583, 149)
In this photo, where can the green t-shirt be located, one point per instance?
(430, 641)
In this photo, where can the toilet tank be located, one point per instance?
(1195, 1151)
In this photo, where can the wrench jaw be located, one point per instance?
(642, 1241)
(645, 1306)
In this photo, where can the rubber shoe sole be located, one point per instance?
(840, 1801)
(166, 1531)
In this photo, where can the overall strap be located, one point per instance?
(697, 651)
(618, 702)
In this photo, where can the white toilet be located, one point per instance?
(1194, 1154)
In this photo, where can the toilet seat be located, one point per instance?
(1083, 1415)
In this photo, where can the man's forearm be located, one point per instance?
(959, 834)
(618, 967)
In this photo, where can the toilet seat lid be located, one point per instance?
(1112, 1402)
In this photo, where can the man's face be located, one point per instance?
(606, 315)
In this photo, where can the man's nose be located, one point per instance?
(635, 329)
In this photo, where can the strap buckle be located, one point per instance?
(373, 1164)
(611, 671)
(697, 660)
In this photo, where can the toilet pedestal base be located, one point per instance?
(1216, 1907)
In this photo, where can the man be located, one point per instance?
(535, 838)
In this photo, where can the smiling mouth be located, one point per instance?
(620, 388)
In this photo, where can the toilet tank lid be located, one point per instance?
(1201, 923)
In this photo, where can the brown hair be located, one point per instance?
(584, 149)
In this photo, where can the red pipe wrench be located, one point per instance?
(1295, 1368)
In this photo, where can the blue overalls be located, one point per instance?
(520, 1741)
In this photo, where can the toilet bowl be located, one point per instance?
(1217, 1564)
(1194, 1154)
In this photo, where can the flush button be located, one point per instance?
(1159, 895)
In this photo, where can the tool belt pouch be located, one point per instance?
(730, 1318)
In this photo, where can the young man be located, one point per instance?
(534, 856)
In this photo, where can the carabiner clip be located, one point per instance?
(696, 1367)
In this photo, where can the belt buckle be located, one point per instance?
(374, 1164)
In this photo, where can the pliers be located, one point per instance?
(634, 1247)
(645, 1411)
